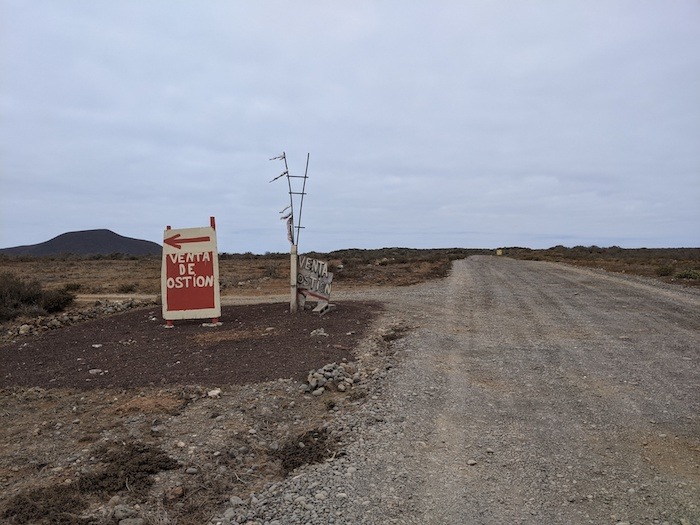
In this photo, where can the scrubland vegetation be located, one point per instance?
(671, 264)
(28, 297)
(47, 284)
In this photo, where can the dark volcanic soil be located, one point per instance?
(255, 343)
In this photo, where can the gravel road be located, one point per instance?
(523, 392)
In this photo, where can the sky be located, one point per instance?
(474, 124)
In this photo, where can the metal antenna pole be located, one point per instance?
(293, 253)
(291, 200)
(303, 192)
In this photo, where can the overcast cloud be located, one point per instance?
(429, 124)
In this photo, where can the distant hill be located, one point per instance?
(88, 242)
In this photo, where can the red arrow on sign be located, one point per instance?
(177, 243)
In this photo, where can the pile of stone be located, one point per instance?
(331, 377)
(98, 309)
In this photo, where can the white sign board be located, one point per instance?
(190, 274)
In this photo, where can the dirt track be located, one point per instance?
(574, 393)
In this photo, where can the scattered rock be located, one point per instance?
(132, 521)
(235, 501)
(175, 493)
(100, 308)
(122, 512)
(332, 376)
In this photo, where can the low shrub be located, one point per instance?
(689, 274)
(272, 270)
(665, 270)
(53, 301)
(26, 297)
(17, 296)
(440, 269)
(126, 288)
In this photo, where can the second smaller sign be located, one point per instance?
(313, 279)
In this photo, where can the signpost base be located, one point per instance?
(293, 304)
(323, 308)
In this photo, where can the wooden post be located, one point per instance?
(212, 223)
(293, 279)
(168, 323)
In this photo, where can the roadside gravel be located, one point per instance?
(514, 392)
